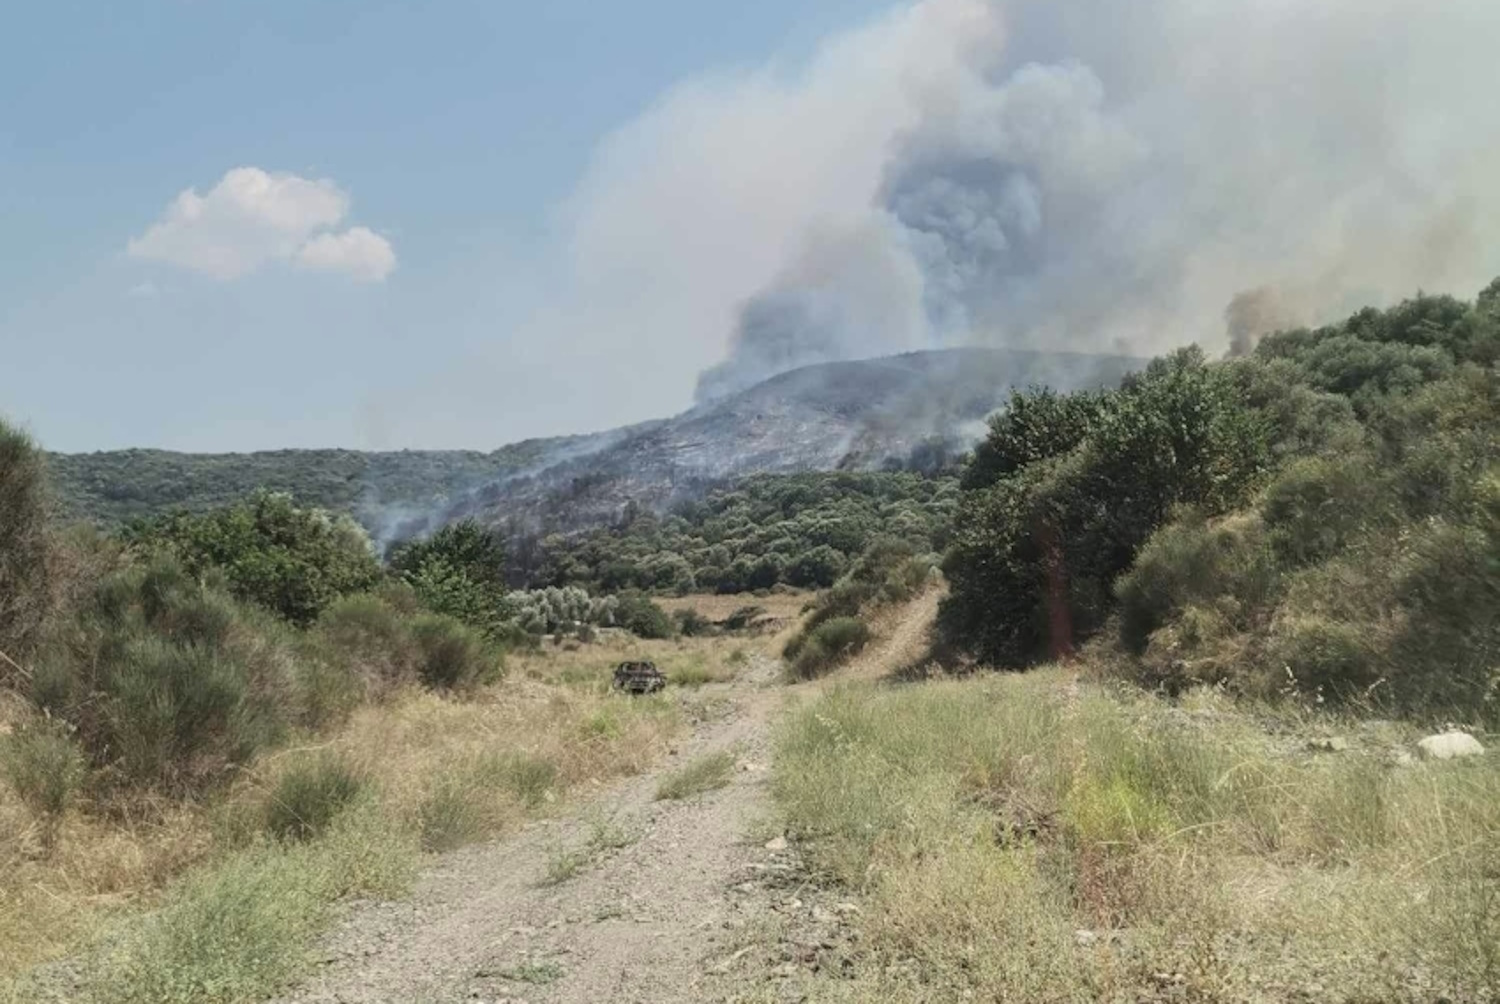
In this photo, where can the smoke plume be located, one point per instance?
(1095, 175)
(1048, 174)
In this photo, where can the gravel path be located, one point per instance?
(679, 913)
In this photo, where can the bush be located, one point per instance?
(167, 681)
(1043, 532)
(817, 568)
(742, 617)
(45, 767)
(310, 795)
(453, 814)
(1318, 505)
(25, 550)
(1192, 563)
(825, 646)
(643, 618)
(564, 610)
(370, 638)
(452, 655)
(290, 560)
(692, 624)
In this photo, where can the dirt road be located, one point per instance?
(665, 917)
(672, 901)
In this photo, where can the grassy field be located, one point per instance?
(220, 900)
(782, 606)
(1035, 838)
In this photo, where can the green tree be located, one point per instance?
(458, 571)
(1042, 535)
(289, 559)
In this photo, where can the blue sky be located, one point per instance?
(228, 225)
(455, 129)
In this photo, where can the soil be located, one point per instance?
(701, 903)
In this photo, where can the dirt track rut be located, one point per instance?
(662, 919)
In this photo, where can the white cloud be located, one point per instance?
(359, 252)
(253, 217)
(143, 291)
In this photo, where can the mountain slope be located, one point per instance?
(850, 415)
(860, 415)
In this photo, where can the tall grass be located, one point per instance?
(241, 930)
(44, 767)
(697, 777)
(989, 821)
(269, 857)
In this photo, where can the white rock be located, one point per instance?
(776, 844)
(1449, 746)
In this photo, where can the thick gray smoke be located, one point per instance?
(1096, 175)
(1052, 174)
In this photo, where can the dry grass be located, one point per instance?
(688, 662)
(441, 772)
(989, 822)
(778, 606)
(704, 774)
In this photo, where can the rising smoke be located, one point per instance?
(1095, 175)
(1052, 174)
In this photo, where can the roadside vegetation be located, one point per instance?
(217, 727)
(836, 628)
(1036, 838)
(1246, 589)
(1322, 515)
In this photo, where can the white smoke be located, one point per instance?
(1093, 175)
(1072, 174)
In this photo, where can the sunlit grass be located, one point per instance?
(989, 822)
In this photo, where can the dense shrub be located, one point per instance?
(1367, 569)
(451, 655)
(799, 529)
(291, 560)
(26, 586)
(1040, 539)
(817, 568)
(167, 680)
(1226, 567)
(1318, 505)
(639, 615)
(825, 646)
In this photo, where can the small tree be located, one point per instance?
(289, 559)
(25, 553)
(458, 571)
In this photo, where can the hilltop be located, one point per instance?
(907, 412)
